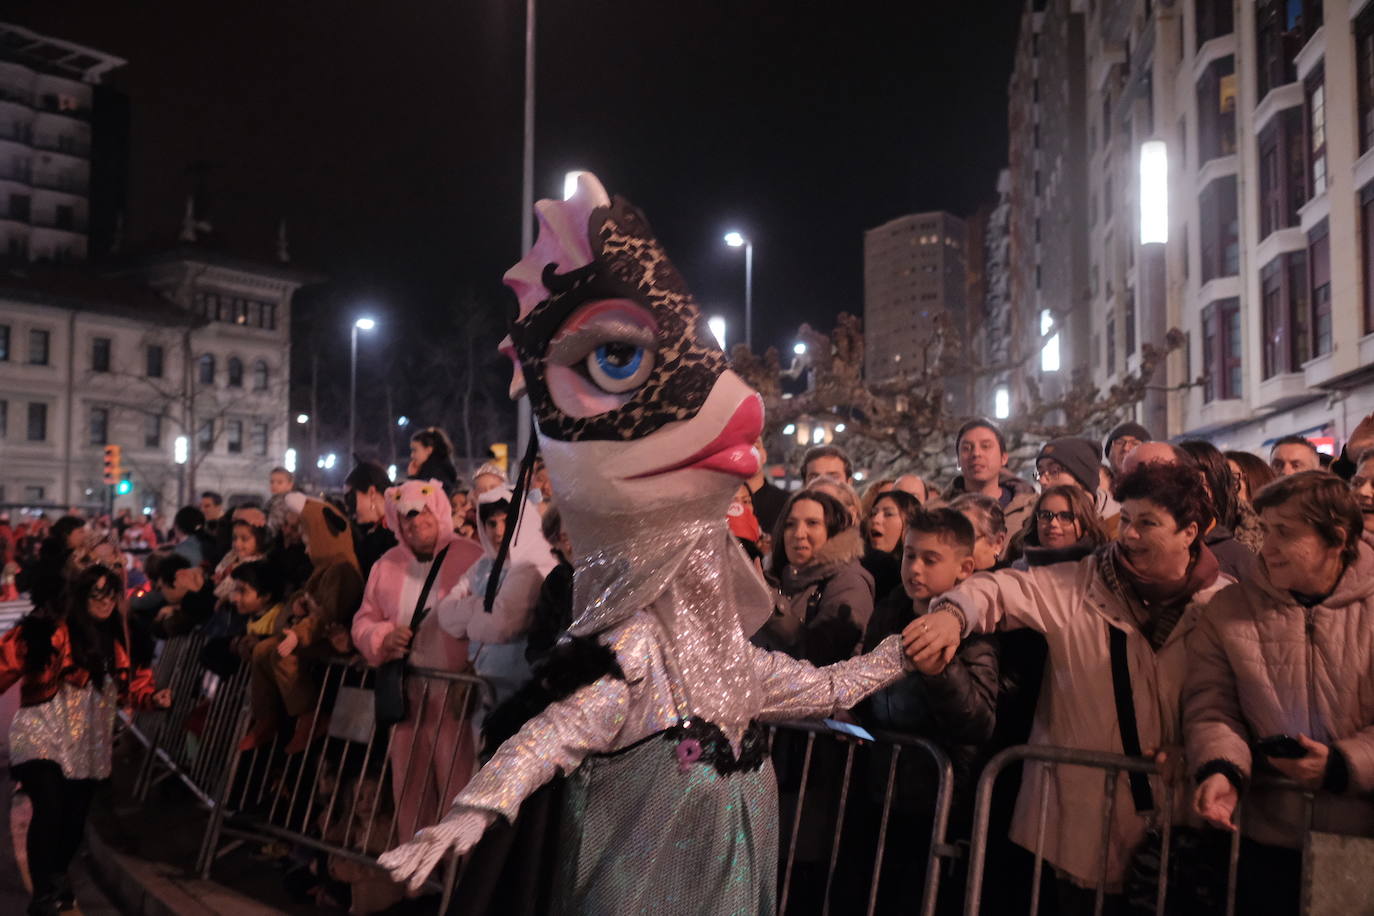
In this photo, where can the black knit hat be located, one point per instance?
(1129, 428)
(1078, 456)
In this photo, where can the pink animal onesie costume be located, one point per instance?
(393, 589)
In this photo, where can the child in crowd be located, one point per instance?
(955, 705)
(249, 542)
(280, 482)
(258, 599)
(74, 673)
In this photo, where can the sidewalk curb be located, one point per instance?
(146, 889)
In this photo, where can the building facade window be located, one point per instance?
(38, 422)
(4, 419)
(100, 425)
(100, 354)
(1283, 189)
(1111, 345)
(1278, 28)
(1213, 20)
(1319, 268)
(155, 359)
(1283, 296)
(1216, 110)
(206, 372)
(251, 313)
(34, 494)
(152, 431)
(1315, 113)
(1130, 322)
(38, 347)
(260, 375)
(260, 439)
(233, 436)
(4, 343)
(1221, 351)
(235, 372)
(205, 437)
(1367, 253)
(1220, 229)
(1364, 76)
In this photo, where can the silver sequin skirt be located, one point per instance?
(643, 833)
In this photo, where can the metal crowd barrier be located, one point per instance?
(344, 797)
(1113, 766)
(820, 739)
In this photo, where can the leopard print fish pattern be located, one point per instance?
(628, 263)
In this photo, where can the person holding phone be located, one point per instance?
(1288, 658)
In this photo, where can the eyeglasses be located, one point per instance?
(1046, 516)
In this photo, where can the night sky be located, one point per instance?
(389, 134)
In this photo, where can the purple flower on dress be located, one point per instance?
(688, 753)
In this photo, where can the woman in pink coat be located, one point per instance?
(432, 751)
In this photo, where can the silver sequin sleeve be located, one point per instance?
(799, 690)
(556, 740)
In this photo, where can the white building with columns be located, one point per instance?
(189, 344)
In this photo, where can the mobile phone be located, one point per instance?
(853, 731)
(1282, 747)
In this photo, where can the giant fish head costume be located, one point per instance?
(645, 430)
(623, 374)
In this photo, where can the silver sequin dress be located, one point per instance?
(75, 730)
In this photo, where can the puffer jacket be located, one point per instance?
(1261, 664)
(821, 609)
(1077, 611)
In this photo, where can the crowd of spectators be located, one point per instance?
(1141, 597)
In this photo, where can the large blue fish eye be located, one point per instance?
(617, 366)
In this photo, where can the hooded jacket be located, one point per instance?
(336, 583)
(398, 577)
(821, 609)
(1262, 664)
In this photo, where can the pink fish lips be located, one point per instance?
(732, 451)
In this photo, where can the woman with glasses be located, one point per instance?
(74, 673)
(1063, 527)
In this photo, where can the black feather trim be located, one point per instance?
(572, 665)
(36, 633)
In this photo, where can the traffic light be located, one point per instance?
(500, 452)
(125, 486)
(112, 468)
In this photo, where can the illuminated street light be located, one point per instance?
(330, 460)
(181, 449)
(738, 240)
(302, 418)
(403, 421)
(1001, 404)
(789, 429)
(290, 462)
(391, 472)
(717, 326)
(839, 427)
(799, 348)
(1154, 193)
(362, 324)
(570, 184)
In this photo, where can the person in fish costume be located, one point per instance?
(670, 803)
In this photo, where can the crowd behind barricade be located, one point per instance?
(1211, 611)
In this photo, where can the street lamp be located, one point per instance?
(799, 348)
(717, 326)
(290, 460)
(737, 240)
(302, 418)
(362, 324)
(403, 421)
(570, 184)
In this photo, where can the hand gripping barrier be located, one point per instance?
(817, 774)
(359, 789)
(1112, 767)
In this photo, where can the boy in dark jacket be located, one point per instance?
(954, 705)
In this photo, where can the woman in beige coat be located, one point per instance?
(1136, 599)
(1289, 652)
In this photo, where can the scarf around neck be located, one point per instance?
(1156, 604)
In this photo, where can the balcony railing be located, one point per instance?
(54, 182)
(60, 144)
(50, 221)
(15, 94)
(52, 106)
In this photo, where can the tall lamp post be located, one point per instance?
(362, 324)
(738, 240)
